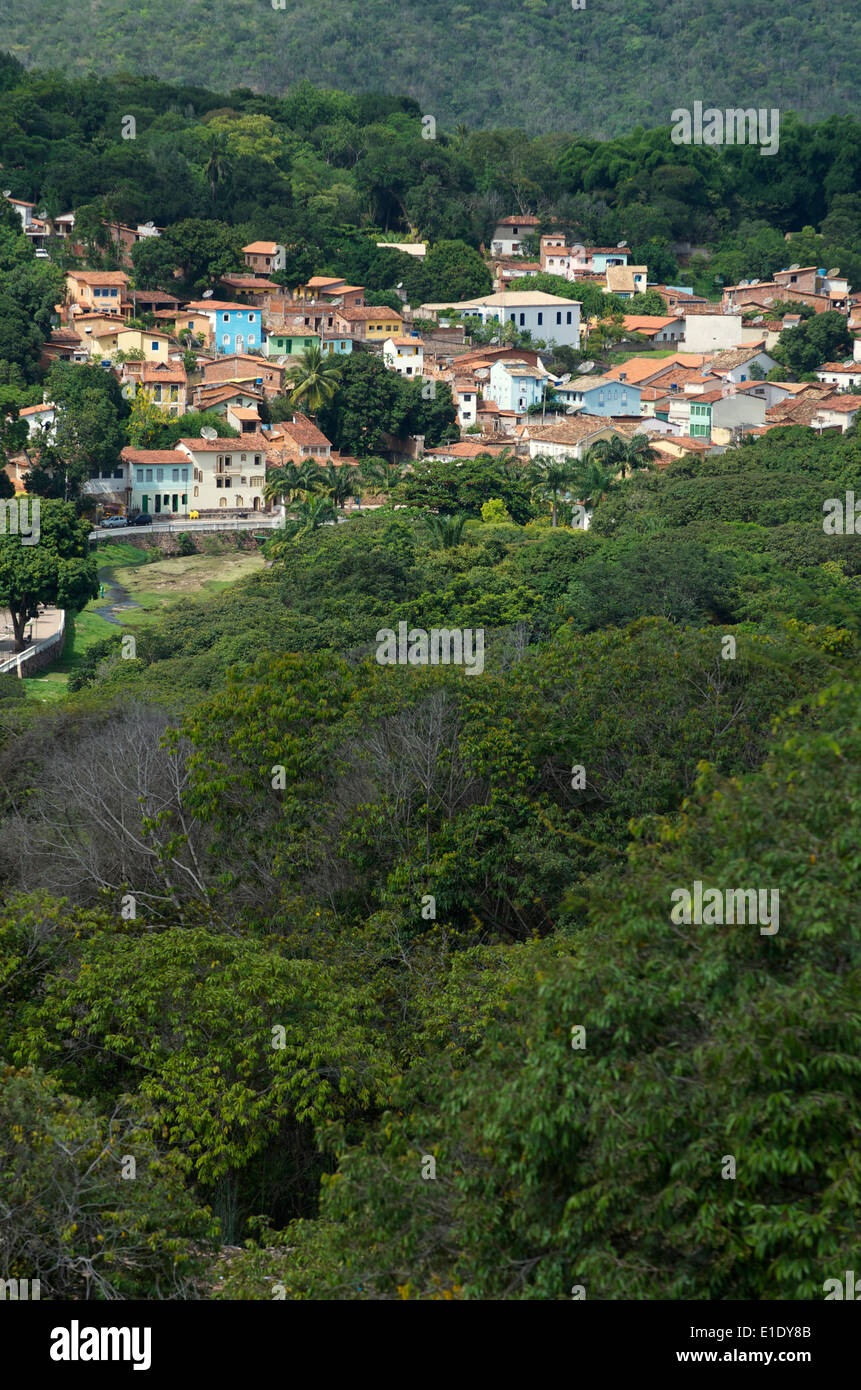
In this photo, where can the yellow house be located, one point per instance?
(153, 345)
(376, 324)
(93, 290)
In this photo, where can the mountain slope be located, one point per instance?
(537, 64)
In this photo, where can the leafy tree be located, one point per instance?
(146, 421)
(59, 570)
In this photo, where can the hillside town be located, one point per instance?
(528, 373)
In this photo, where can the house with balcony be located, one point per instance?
(233, 328)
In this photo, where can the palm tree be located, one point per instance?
(284, 483)
(625, 455)
(304, 519)
(337, 482)
(444, 532)
(380, 474)
(592, 481)
(315, 379)
(552, 478)
(218, 165)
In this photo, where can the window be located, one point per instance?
(185, 499)
(511, 316)
(159, 474)
(257, 460)
(149, 475)
(196, 491)
(568, 316)
(219, 482)
(522, 320)
(167, 499)
(225, 318)
(225, 339)
(139, 475)
(222, 501)
(558, 315)
(257, 481)
(250, 318)
(154, 347)
(228, 482)
(540, 318)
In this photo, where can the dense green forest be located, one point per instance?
(311, 940)
(328, 174)
(600, 69)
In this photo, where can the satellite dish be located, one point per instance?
(563, 379)
(620, 245)
(587, 366)
(7, 193)
(580, 248)
(207, 432)
(572, 410)
(832, 273)
(149, 224)
(207, 294)
(796, 266)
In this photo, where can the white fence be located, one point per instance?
(41, 649)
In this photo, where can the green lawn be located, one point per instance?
(151, 584)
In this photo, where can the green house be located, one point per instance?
(701, 420)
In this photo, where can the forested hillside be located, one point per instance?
(538, 64)
(309, 938)
(328, 173)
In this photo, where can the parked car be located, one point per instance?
(142, 519)
(110, 522)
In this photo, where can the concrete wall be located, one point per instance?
(712, 332)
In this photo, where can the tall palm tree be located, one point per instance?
(315, 379)
(551, 479)
(218, 165)
(284, 483)
(337, 482)
(380, 474)
(303, 520)
(625, 455)
(444, 532)
(592, 481)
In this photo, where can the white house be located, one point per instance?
(839, 374)
(465, 395)
(404, 355)
(735, 366)
(38, 417)
(544, 316)
(836, 413)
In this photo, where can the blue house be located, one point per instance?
(603, 395)
(515, 386)
(232, 327)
